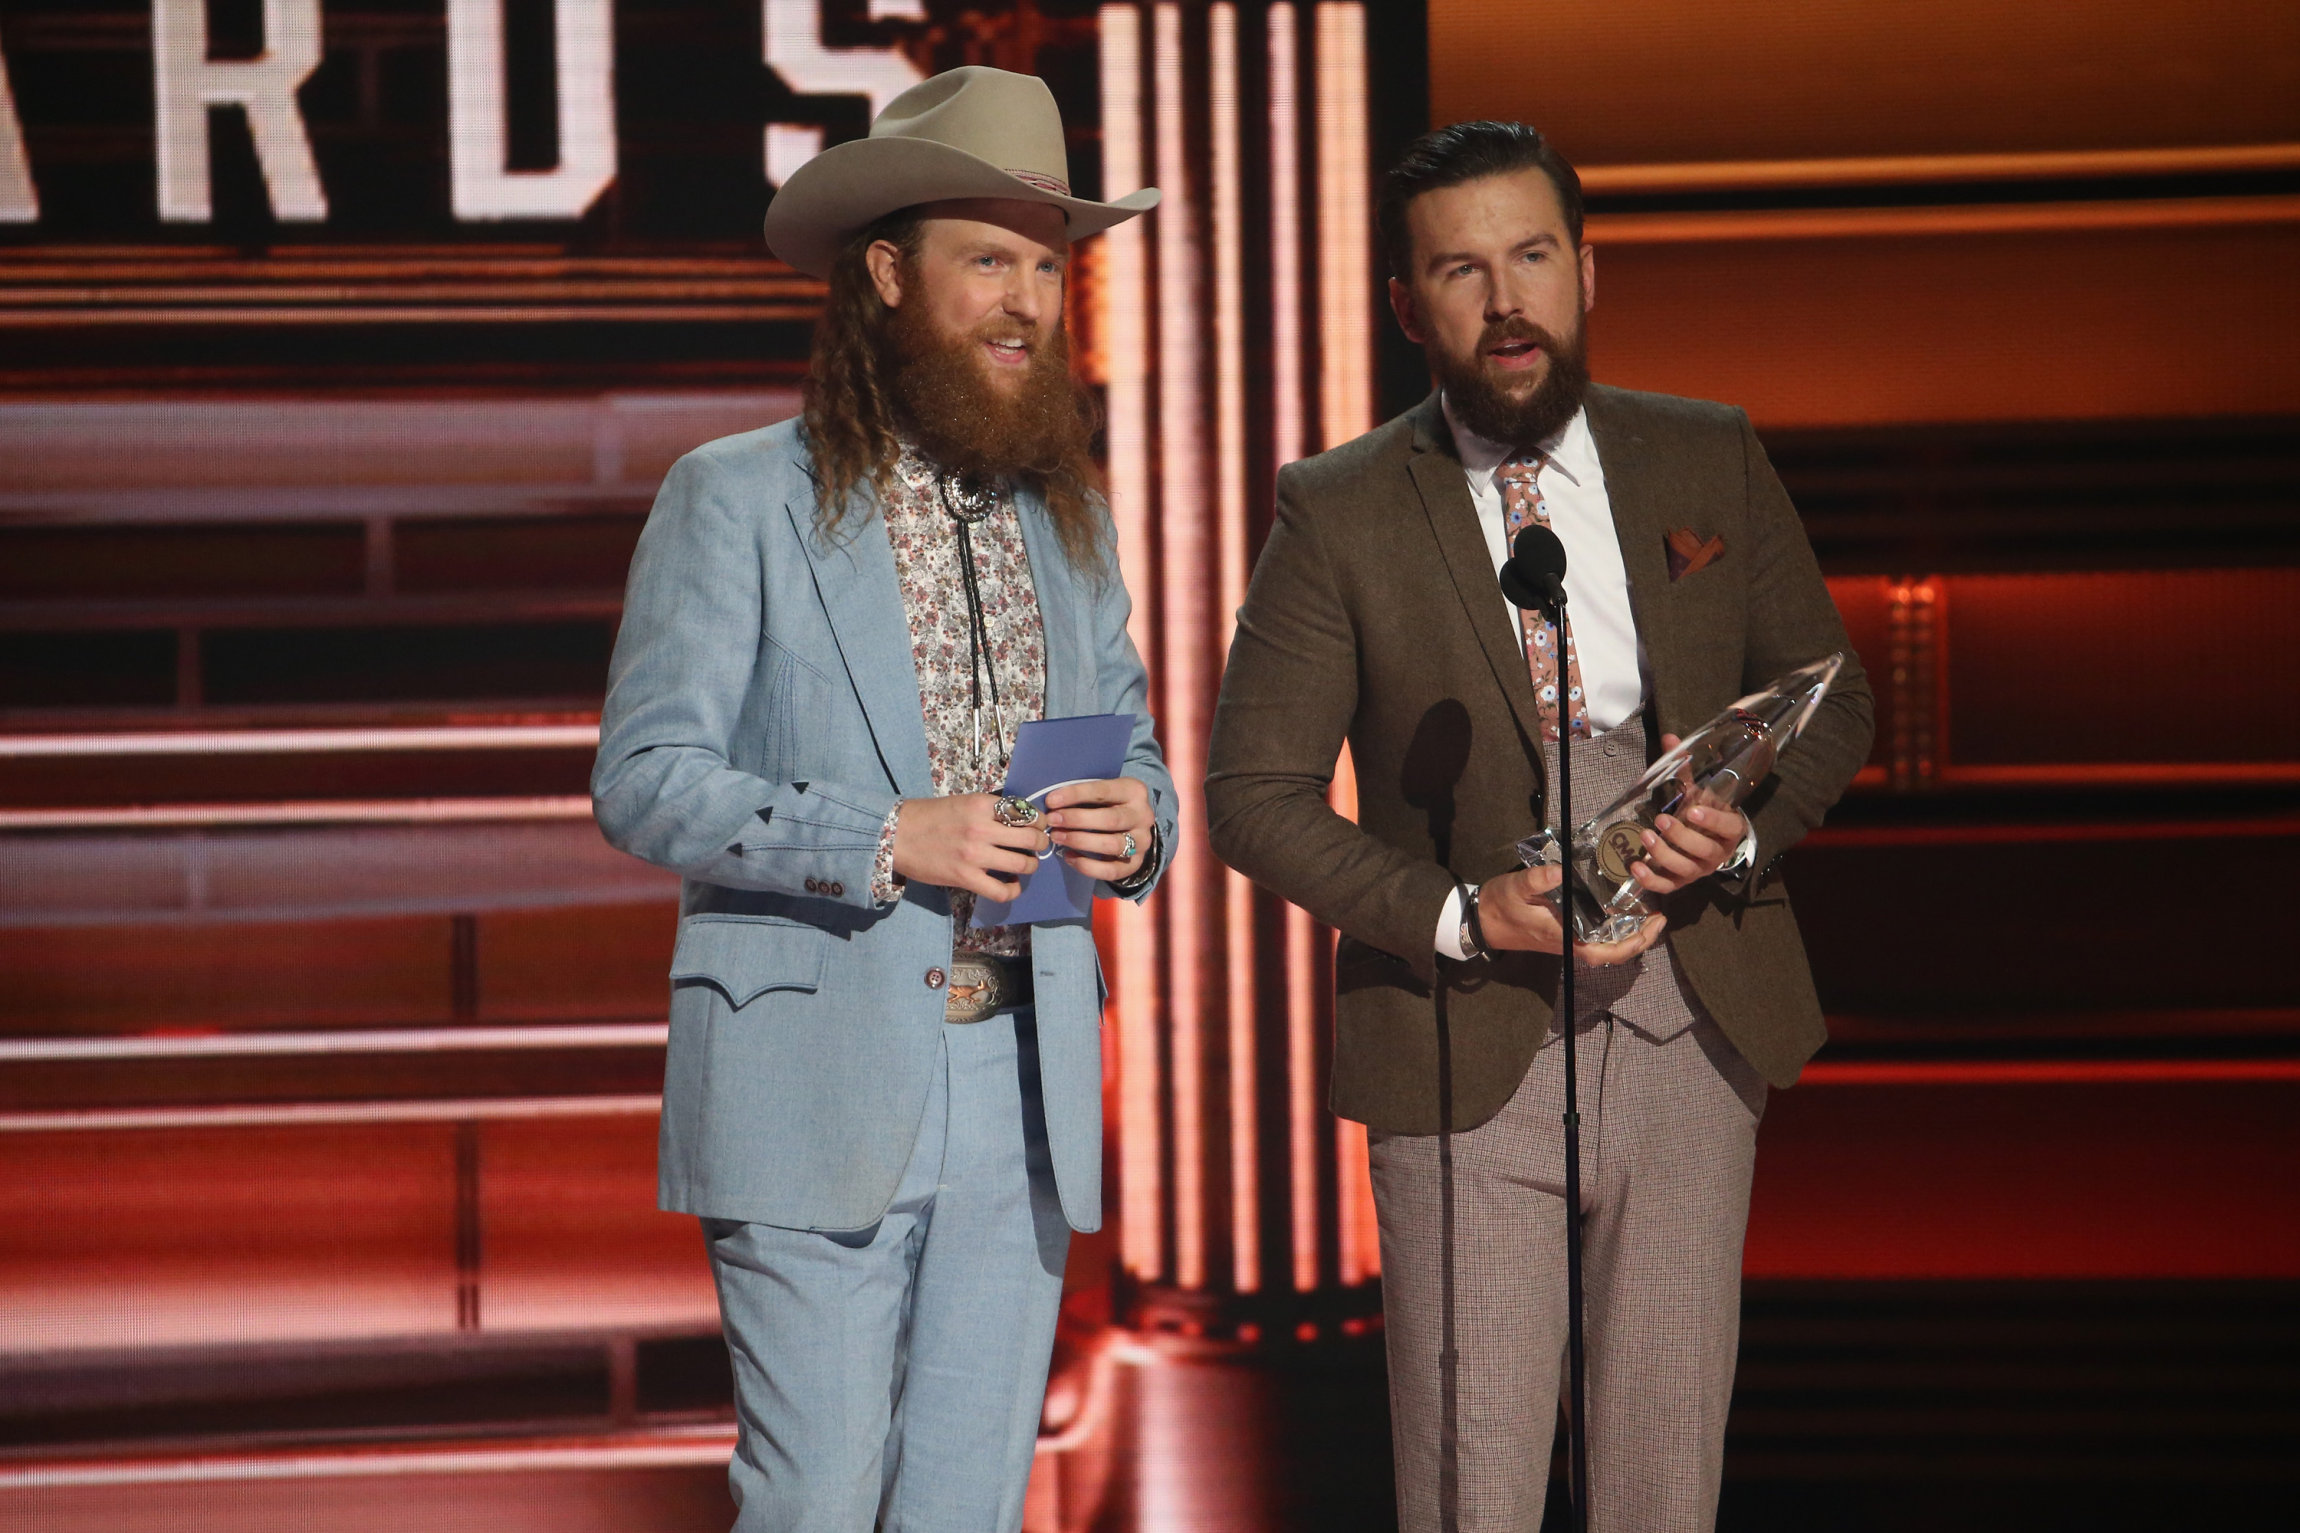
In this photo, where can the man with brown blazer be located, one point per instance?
(1374, 617)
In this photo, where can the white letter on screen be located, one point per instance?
(19, 203)
(186, 82)
(795, 51)
(477, 130)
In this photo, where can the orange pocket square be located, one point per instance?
(1687, 553)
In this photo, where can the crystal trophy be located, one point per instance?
(1716, 767)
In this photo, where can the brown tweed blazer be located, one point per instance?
(1374, 616)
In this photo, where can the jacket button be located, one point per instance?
(835, 890)
(813, 887)
(934, 979)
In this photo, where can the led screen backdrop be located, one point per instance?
(582, 183)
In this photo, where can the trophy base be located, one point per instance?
(1593, 924)
(1617, 928)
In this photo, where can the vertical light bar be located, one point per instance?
(1185, 538)
(1285, 237)
(1286, 446)
(1230, 529)
(1346, 409)
(1302, 1090)
(1342, 793)
(1125, 331)
(1360, 1242)
(1361, 1235)
(1345, 293)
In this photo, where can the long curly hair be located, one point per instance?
(854, 410)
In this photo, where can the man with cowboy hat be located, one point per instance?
(889, 1120)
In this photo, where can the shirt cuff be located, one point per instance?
(1745, 857)
(1449, 927)
(885, 888)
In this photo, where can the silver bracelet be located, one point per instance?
(1471, 937)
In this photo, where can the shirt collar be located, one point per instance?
(919, 473)
(913, 466)
(1571, 449)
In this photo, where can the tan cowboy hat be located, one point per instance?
(968, 132)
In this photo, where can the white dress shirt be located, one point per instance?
(1596, 583)
(1615, 675)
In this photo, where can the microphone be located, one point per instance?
(1534, 575)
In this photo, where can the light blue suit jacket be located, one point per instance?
(762, 717)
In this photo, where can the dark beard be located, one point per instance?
(958, 417)
(1483, 404)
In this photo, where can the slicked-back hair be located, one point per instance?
(1468, 151)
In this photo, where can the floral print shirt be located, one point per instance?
(926, 563)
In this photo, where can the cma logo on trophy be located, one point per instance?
(187, 83)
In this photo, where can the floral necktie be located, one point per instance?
(1522, 505)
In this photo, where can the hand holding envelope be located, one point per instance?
(1103, 827)
(1070, 768)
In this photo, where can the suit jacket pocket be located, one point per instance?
(1712, 579)
(800, 711)
(1362, 966)
(743, 957)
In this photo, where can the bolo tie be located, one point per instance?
(969, 503)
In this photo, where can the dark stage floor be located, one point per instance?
(1885, 1407)
(1860, 1407)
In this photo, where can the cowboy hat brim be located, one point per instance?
(852, 185)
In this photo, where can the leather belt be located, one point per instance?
(982, 985)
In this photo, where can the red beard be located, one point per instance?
(967, 421)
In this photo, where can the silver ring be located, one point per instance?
(1126, 853)
(1014, 813)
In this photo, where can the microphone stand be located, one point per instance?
(1576, 1429)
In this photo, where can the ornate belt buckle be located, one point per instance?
(978, 987)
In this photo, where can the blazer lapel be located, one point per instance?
(1437, 474)
(1062, 611)
(1641, 516)
(855, 578)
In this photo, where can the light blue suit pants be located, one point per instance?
(893, 1375)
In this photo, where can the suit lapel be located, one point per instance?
(1641, 513)
(1437, 474)
(855, 578)
(1061, 611)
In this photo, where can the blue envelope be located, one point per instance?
(1049, 754)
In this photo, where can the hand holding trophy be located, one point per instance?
(1716, 767)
